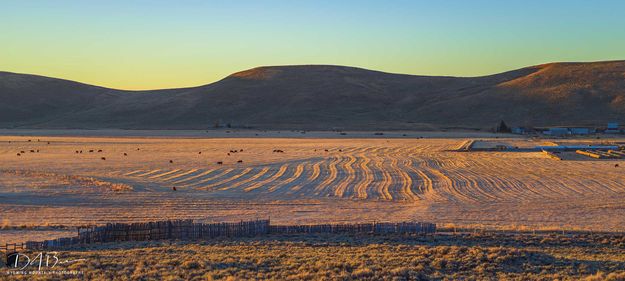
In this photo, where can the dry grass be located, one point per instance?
(361, 257)
(47, 180)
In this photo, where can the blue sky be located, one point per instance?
(162, 44)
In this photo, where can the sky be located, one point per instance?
(133, 44)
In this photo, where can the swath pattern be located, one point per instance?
(227, 179)
(179, 175)
(416, 178)
(329, 177)
(405, 172)
(164, 174)
(361, 187)
(386, 181)
(248, 180)
(268, 181)
(210, 178)
(350, 175)
(298, 172)
(194, 177)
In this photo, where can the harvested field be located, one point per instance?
(313, 180)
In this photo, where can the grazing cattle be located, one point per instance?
(220, 163)
(19, 154)
(22, 151)
(174, 188)
(37, 150)
(99, 150)
(91, 150)
(81, 151)
(32, 151)
(240, 150)
(48, 142)
(125, 154)
(228, 154)
(199, 152)
(138, 149)
(103, 158)
(615, 165)
(76, 151)
(171, 161)
(340, 150)
(278, 151)
(326, 150)
(28, 140)
(240, 161)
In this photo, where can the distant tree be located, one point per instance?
(502, 128)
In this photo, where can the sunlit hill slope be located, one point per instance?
(328, 97)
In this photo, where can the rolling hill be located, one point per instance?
(328, 97)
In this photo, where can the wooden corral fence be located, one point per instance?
(188, 230)
(401, 227)
(160, 230)
(12, 247)
(163, 230)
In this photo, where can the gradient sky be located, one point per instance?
(131, 44)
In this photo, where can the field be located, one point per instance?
(298, 180)
(352, 257)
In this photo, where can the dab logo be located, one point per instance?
(21, 261)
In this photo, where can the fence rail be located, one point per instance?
(188, 230)
(402, 227)
(12, 247)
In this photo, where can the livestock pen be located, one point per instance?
(188, 230)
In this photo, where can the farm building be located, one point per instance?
(581, 131)
(613, 128)
(566, 131)
(575, 147)
(519, 130)
(557, 131)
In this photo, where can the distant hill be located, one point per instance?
(328, 97)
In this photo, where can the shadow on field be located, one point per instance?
(582, 241)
